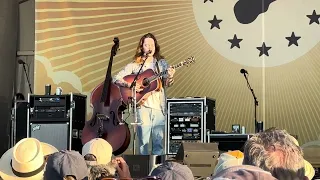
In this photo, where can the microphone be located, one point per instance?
(21, 62)
(146, 55)
(243, 71)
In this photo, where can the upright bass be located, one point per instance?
(106, 121)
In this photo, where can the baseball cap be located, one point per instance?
(66, 163)
(100, 148)
(172, 170)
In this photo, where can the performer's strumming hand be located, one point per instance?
(139, 87)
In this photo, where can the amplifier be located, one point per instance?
(188, 120)
(49, 107)
(201, 158)
(57, 119)
(141, 165)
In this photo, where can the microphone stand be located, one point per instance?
(134, 99)
(25, 71)
(256, 103)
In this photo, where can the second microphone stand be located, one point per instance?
(256, 103)
(25, 71)
(134, 101)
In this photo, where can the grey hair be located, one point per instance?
(274, 151)
(102, 171)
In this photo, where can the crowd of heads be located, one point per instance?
(273, 154)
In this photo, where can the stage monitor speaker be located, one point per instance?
(201, 158)
(141, 165)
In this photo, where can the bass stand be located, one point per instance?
(134, 102)
(256, 104)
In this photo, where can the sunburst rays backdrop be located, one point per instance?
(74, 39)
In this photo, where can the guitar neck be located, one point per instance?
(156, 76)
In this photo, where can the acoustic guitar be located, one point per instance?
(150, 82)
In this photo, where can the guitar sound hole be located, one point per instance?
(145, 82)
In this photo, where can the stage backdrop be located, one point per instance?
(277, 42)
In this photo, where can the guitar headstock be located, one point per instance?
(189, 61)
(186, 62)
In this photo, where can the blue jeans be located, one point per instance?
(152, 124)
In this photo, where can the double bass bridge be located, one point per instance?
(102, 117)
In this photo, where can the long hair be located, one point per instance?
(139, 50)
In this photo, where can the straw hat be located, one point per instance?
(25, 160)
(228, 159)
(308, 168)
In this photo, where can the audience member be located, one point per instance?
(26, 160)
(66, 165)
(98, 154)
(97, 151)
(172, 170)
(243, 172)
(228, 159)
(122, 168)
(308, 168)
(102, 171)
(274, 151)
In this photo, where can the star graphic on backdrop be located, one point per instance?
(207, 0)
(314, 17)
(235, 42)
(263, 49)
(293, 39)
(215, 22)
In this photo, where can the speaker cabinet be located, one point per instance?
(56, 134)
(57, 119)
(141, 165)
(201, 158)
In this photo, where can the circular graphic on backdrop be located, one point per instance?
(259, 33)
